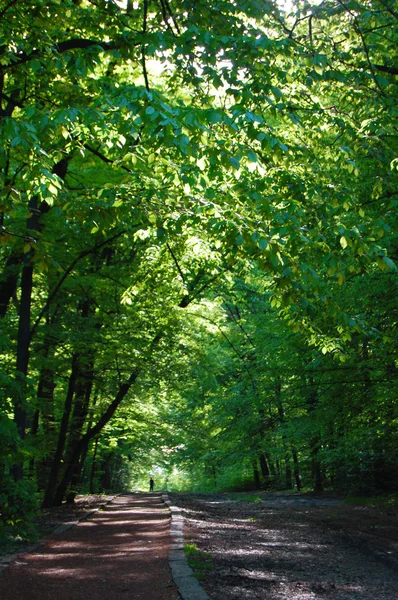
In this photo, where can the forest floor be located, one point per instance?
(279, 546)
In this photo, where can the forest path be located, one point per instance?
(120, 552)
(292, 547)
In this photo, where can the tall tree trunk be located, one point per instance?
(82, 444)
(84, 386)
(45, 397)
(315, 440)
(266, 465)
(16, 260)
(296, 469)
(63, 430)
(93, 466)
(9, 280)
(80, 410)
(76, 481)
(33, 431)
(272, 466)
(265, 471)
(33, 227)
(23, 337)
(288, 472)
(281, 413)
(256, 474)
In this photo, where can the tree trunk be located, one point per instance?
(33, 431)
(23, 337)
(272, 467)
(288, 472)
(256, 475)
(83, 389)
(82, 444)
(63, 430)
(315, 441)
(9, 280)
(45, 398)
(93, 466)
(281, 414)
(10, 275)
(81, 403)
(23, 344)
(296, 469)
(265, 471)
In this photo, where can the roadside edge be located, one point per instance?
(188, 586)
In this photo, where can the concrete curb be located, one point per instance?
(188, 586)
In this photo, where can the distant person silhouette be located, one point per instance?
(151, 484)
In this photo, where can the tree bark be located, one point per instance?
(9, 280)
(265, 471)
(63, 430)
(282, 420)
(93, 466)
(256, 475)
(23, 337)
(315, 441)
(296, 469)
(45, 398)
(82, 444)
(17, 259)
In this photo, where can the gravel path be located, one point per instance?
(293, 548)
(119, 553)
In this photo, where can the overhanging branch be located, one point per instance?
(72, 44)
(65, 275)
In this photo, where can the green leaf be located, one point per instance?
(343, 242)
(262, 243)
(390, 263)
(235, 162)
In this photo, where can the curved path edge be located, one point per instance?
(188, 586)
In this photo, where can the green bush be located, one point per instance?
(18, 509)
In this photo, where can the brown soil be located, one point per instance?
(119, 552)
(293, 547)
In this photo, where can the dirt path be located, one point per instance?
(120, 552)
(293, 548)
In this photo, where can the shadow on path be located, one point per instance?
(119, 553)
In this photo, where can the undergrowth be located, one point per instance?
(199, 561)
(384, 501)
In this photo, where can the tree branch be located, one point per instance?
(12, 102)
(237, 322)
(65, 275)
(9, 5)
(232, 346)
(143, 57)
(167, 4)
(176, 262)
(72, 44)
(104, 158)
(390, 70)
(365, 46)
(187, 299)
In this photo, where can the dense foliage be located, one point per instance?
(197, 249)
